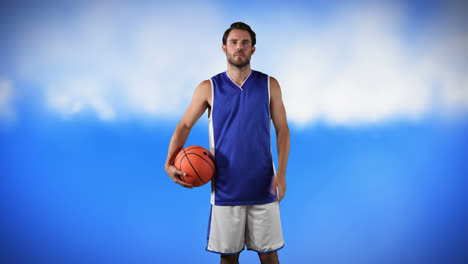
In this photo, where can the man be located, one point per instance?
(246, 191)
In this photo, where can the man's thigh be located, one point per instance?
(226, 231)
(263, 233)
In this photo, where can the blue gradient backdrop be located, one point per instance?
(80, 190)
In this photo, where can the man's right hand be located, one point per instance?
(175, 176)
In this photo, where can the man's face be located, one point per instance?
(238, 48)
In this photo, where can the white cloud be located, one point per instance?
(358, 69)
(124, 61)
(6, 99)
(121, 62)
(447, 67)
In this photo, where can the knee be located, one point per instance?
(268, 258)
(230, 259)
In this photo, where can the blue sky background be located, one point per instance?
(376, 95)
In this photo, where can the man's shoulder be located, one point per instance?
(204, 87)
(205, 83)
(219, 75)
(258, 73)
(263, 75)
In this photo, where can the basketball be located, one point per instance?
(198, 163)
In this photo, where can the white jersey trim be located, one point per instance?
(269, 111)
(240, 87)
(211, 139)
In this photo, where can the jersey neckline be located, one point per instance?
(240, 87)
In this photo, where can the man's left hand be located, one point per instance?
(278, 187)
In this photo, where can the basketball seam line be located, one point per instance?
(207, 161)
(193, 167)
(200, 147)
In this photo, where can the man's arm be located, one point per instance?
(195, 110)
(278, 115)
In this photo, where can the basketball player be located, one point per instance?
(246, 190)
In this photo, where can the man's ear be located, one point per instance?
(253, 50)
(224, 48)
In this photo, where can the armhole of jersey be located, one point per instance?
(211, 139)
(269, 96)
(269, 112)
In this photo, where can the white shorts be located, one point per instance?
(231, 228)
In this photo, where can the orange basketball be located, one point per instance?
(198, 163)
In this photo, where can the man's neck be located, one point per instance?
(238, 75)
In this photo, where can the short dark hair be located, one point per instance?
(243, 26)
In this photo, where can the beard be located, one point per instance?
(239, 63)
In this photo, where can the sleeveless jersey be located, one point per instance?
(239, 132)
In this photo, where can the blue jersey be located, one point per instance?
(240, 138)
